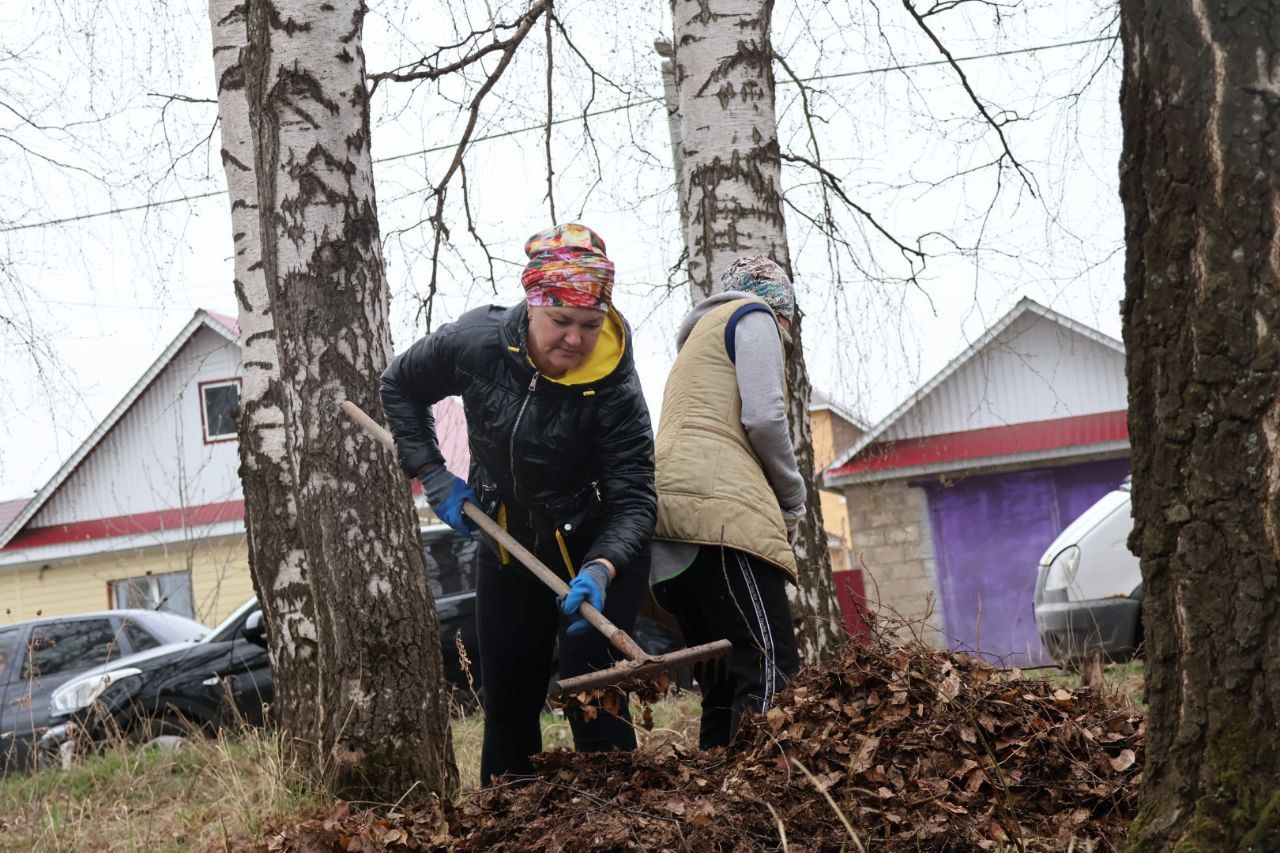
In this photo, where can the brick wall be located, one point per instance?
(893, 545)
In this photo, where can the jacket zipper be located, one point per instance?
(511, 447)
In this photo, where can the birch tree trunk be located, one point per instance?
(378, 721)
(277, 562)
(731, 189)
(730, 175)
(671, 100)
(1200, 104)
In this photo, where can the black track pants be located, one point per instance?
(517, 625)
(727, 594)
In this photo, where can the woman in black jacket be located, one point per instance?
(561, 456)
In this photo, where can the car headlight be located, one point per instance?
(1062, 571)
(82, 692)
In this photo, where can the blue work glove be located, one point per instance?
(589, 586)
(446, 494)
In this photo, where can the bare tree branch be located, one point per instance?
(425, 69)
(997, 126)
(471, 228)
(473, 115)
(831, 180)
(551, 200)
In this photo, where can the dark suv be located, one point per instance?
(40, 655)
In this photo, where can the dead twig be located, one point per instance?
(997, 126)
(551, 200)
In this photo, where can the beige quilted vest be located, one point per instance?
(711, 488)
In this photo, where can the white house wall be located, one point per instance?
(156, 458)
(1034, 370)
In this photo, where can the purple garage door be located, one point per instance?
(988, 535)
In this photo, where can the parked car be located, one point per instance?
(225, 679)
(1088, 595)
(40, 655)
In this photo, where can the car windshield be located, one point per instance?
(226, 629)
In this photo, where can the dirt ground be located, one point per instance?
(889, 747)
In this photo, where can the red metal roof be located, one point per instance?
(9, 510)
(225, 319)
(451, 432)
(1029, 437)
(126, 525)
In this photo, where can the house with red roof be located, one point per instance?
(148, 511)
(953, 496)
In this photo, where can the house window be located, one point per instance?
(219, 402)
(170, 593)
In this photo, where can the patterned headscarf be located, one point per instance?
(761, 277)
(567, 268)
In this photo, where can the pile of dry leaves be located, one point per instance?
(891, 747)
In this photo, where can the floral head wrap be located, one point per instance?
(761, 277)
(567, 268)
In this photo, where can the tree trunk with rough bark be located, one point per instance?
(821, 627)
(731, 194)
(378, 719)
(1200, 182)
(277, 562)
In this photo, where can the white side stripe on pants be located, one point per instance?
(765, 632)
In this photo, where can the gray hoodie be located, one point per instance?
(761, 385)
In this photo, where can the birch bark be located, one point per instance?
(277, 562)
(731, 194)
(381, 723)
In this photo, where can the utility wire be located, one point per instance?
(543, 125)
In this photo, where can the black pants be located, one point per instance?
(517, 625)
(730, 595)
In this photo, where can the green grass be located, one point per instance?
(151, 799)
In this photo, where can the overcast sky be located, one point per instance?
(105, 294)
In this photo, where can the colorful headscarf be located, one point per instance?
(761, 277)
(567, 268)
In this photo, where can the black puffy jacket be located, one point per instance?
(573, 458)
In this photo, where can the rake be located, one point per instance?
(638, 665)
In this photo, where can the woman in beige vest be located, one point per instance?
(729, 492)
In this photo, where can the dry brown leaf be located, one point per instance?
(775, 717)
(1124, 760)
(702, 815)
(866, 753)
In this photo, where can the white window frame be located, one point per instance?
(153, 590)
(204, 409)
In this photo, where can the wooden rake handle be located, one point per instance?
(619, 638)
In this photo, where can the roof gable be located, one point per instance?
(1033, 364)
(820, 402)
(200, 320)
